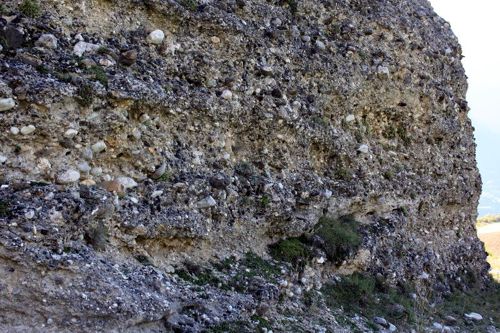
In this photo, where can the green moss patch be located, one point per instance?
(85, 95)
(339, 237)
(200, 278)
(362, 294)
(291, 250)
(30, 8)
(4, 208)
(99, 74)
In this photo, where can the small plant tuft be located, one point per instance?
(144, 260)
(97, 236)
(165, 177)
(191, 5)
(262, 323)
(265, 201)
(352, 292)
(198, 275)
(389, 175)
(245, 169)
(341, 172)
(294, 6)
(99, 74)
(4, 208)
(85, 95)
(63, 76)
(339, 238)
(230, 327)
(42, 69)
(30, 8)
(291, 250)
(260, 267)
(103, 50)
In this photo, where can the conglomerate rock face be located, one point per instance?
(126, 155)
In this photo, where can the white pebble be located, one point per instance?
(83, 47)
(126, 182)
(99, 147)
(7, 104)
(321, 260)
(474, 316)
(68, 177)
(26, 130)
(96, 171)
(47, 41)
(320, 45)
(70, 133)
(84, 167)
(156, 194)
(364, 149)
(350, 118)
(437, 326)
(29, 214)
(383, 70)
(206, 203)
(14, 130)
(107, 62)
(156, 37)
(227, 94)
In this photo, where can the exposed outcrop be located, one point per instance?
(144, 143)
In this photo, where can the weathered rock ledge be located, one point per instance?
(151, 151)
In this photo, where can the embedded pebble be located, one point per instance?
(206, 202)
(437, 326)
(156, 37)
(98, 147)
(156, 194)
(26, 130)
(380, 321)
(29, 214)
(68, 177)
(96, 171)
(70, 133)
(83, 47)
(364, 149)
(227, 94)
(128, 58)
(47, 41)
(321, 260)
(84, 167)
(14, 130)
(350, 118)
(126, 182)
(383, 70)
(7, 104)
(113, 186)
(474, 316)
(320, 45)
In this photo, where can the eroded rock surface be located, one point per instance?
(140, 136)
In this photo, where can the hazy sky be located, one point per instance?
(477, 26)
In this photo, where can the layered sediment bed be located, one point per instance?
(129, 156)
